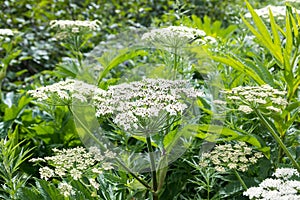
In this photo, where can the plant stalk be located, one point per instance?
(240, 179)
(153, 168)
(278, 140)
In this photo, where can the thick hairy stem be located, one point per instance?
(153, 167)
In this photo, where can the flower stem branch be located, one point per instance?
(278, 140)
(240, 179)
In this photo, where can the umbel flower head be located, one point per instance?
(285, 185)
(176, 36)
(74, 25)
(64, 92)
(75, 163)
(145, 106)
(226, 157)
(257, 97)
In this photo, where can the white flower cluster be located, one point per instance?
(74, 25)
(284, 186)
(76, 163)
(6, 32)
(64, 91)
(66, 189)
(277, 11)
(258, 97)
(138, 105)
(238, 157)
(170, 35)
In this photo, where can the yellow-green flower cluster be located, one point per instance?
(257, 97)
(76, 164)
(230, 156)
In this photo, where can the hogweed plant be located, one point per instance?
(265, 101)
(277, 112)
(284, 185)
(74, 36)
(174, 42)
(144, 108)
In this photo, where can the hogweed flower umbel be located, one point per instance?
(257, 97)
(145, 106)
(174, 36)
(64, 91)
(75, 163)
(70, 24)
(226, 157)
(285, 185)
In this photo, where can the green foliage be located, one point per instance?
(12, 156)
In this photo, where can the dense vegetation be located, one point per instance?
(141, 99)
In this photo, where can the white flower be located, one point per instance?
(74, 25)
(133, 106)
(285, 173)
(245, 109)
(264, 96)
(6, 32)
(46, 173)
(280, 188)
(172, 32)
(253, 192)
(66, 189)
(65, 91)
(177, 36)
(75, 174)
(238, 156)
(277, 11)
(107, 166)
(272, 108)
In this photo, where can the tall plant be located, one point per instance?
(282, 44)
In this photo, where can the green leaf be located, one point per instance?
(122, 57)
(237, 64)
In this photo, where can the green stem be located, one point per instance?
(240, 179)
(278, 140)
(153, 168)
(134, 175)
(175, 63)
